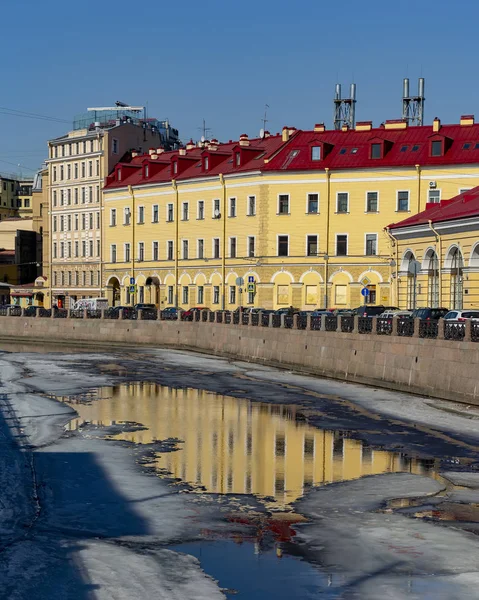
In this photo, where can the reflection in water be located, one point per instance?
(232, 445)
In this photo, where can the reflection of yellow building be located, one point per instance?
(230, 445)
(302, 213)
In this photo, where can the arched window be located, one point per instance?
(456, 264)
(432, 279)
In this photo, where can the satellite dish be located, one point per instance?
(203, 138)
(217, 213)
(261, 133)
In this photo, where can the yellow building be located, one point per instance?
(300, 215)
(77, 165)
(437, 254)
(24, 198)
(8, 197)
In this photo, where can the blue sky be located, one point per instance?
(223, 61)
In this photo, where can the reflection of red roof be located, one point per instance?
(460, 207)
(340, 150)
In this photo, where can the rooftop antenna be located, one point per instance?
(205, 130)
(264, 119)
(413, 106)
(344, 108)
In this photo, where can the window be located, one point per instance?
(185, 211)
(250, 297)
(61, 174)
(434, 196)
(84, 277)
(169, 213)
(371, 244)
(312, 245)
(147, 171)
(141, 215)
(200, 246)
(155, 213)
(436, 148)
(466, 146)
(97, 220)
(114, 146)
(91, 248)
(76, 195)
(156, 250)
(404, 148)
(69, 171)
(251, 206)
(375, 150)
(54, 249)
(75, 168)
(113, 253)
(206, 163)
(354, 150)
(141, 251)
(201, 294)
(127, 252)
(185, 249)
(90, 220)
(232, 294)
(83, 195)
(54, 224)
(343, 202)
(216, 294)
(98, 244)
(61, 198)
(201, 209)
(237, 159)
(185, 294)
(216, 247)
(340, 294)
(403, 201)
(62, 223)
(233, 247)
(372, 202)
(98, 193)
(283, 204)
(76, 221)
(232, 207)
(283, 243)
(170, 250)
(69, 197)
(69, 223)
(97, 168)
(170, 294)
(216, 208)
(83, 248)
(316, 153)
(341, 245)
(83, 169)
(251, 242)
(175, 167)
(343, 151)
(54, 198)
(313, 203)
(76, 249)
(126, 216)
(90, 194)
(90, 168)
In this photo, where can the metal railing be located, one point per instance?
(111, 313)
(93, 313)
(227, 318)
(315, 323)
(76, 313)
(30, 311)
(474, 331)
(347, 324)
(211, 317)
(245, 317)
(236, 317)
(384, 326)
(365, 324)
(331, 323)
(276, 320)
(454, 330)
(288, 321)
(428, 329)
(255, 319)
(149, 314)
(302, 321)
(405, 327)
(44, 312)
(264, 320)
(60, 313)
(129, 314)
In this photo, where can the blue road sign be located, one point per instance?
(365, 292)
(132, 281)
(250, 278)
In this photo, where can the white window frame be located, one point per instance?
(365, 242)
(232, 294)
(233, 237)
(113, 246)
(462, 190)
(198, 248)
(408, 201)
(336, 244)
(172, 212)
(248, 213)
(112, 217)
(216, 288)
(125, 246)
(183, 242)
(213, 247)
(168, 242)
(308, 194)
(278, 235)
(183, 204)
(436, 190)
(127, 216)
(214, 201)
(114, 145)
(316, 235)
(230, 205)
(157, 250)
(141, 250)
(202, 300)
(198, 210)
(141, 210)
(289, 204)
(372, 212)
(253, 237)
(338, 212)
(157, 206)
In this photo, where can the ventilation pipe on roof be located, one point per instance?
(267, 134)
(319, 127)
(134, 153)
(436, 124)
(213, 145)
(151, 151)
(285, 134)
(345, 127)
(244, 140)
(182, 152)
(466, 120)
(190, 145)
(160, 150)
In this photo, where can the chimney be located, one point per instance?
(134, 153)
(285, 134)
(160, 150)
(291, 130)
(364, 125)
(267, 134)
(345, 127)
(319, 127)
(213, 145)
(154, 156)
(182, 152)
(190, 145)
(151, 151)
(466, 120)
(395, 124)
(244, 140)
(436, 124)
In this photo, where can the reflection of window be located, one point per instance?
(340, 294)
(280, 445)
(308, 446)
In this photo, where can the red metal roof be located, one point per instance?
(340, 150)
(462, 206)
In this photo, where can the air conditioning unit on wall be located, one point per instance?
(432, 185)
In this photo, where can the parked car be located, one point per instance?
(143, 306)
(369, 311)
(115, 310)
(462, 315)
(342, 312)
(319, 313)
(290, 310)
(389, 314)
(91, 304)
(429, 314)
(189, 315)
(170, 313)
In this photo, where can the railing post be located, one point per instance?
(250, 318)
(159, 314)
(374, 325)
(120, 314)
(356, 324)
(323, 322)
(69, 314)
(417, 322)
(395, 325)
(282, 315)
(37, 312)
(23, 311)
(180, 314)
(295, 321)
(308, 321)
(467, 331)
(102, 315)
(85, 313)
(270, 320)
(140, 314)
(52, 314)
(338, 324)
(441, 329)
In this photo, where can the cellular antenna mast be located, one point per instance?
(205, 130)
(413, 106)
(264, 119)
(344, 108)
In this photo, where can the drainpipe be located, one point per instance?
(326, 255)
(223, 253)
(439, 240)
(177, 224)
(418, 170)
(395, 244)
(102, 216)
(130, 190)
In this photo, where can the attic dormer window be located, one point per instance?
(436, 148)
(206, 163)
(175, 167)
(147, 171)
(118, 173)
(316, 153)
(376, 150)
(237, 159)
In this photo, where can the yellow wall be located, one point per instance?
(296, 279)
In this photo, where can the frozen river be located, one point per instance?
(163, 474)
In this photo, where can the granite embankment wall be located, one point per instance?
(434, 367)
